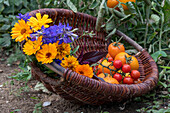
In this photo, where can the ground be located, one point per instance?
(13, 98)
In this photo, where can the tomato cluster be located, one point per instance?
(113, 3)
(118, 66)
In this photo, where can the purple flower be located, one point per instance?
(55, 33)
(68, 28)
(65, 35)
(24, 17)
(50, 32)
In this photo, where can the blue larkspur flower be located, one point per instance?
(50, 34)
(24, 17)
(59, 33)
(66, 35)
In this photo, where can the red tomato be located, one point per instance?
(128, 80)
(135, 74)
(110, 59)
(117, 64)
(126, 68)
(118, 77)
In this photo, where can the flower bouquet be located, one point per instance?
(49, 44)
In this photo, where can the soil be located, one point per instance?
(14, 98)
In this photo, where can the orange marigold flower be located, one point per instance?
(85, 70)
(47, 53)
(38, 22)
(62, 50)
(70, 62)
(31, 47)
(21, 31)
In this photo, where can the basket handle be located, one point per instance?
(56, 68)
(130, 41)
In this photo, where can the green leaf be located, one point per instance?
(5, 41)
(5, 27)
(6, 2)
(168, 72)
(35, 98)
(75, 50)
(94, 5)
(155, 18)
(163, 84)
(2, 19)
(40, 86)
(71, 6)
(131, 7)
(166, 10)
(110, 25)
(15, 110)
(47, 2)
(25, 3)
(105, 112)
(127, 17)
(1, 7)
(151, 37)
(158, 54)
(18, 2)
(29, 77)
(165, 67)
(111, 33)
(23, 11)
(9, 9)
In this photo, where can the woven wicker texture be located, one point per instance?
(81, 89)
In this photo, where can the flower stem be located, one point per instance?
(147, 23)
(160, 35)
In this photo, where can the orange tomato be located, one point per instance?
(115, 48)
(108, 55)
(113, 3)
(111, 80)
(134, 64)
(102, 75)
(102, 69)
(121, 56)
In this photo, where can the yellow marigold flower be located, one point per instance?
(47, 53)
(21, 31)
(62, 50)
(70, 62)
(38, 22)
(31, 47)
(85, 70)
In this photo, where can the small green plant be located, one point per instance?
(38, 108)
(24, 74)
(15, 111)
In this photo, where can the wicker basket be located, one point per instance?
(81, 89)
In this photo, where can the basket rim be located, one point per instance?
(149, 82)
